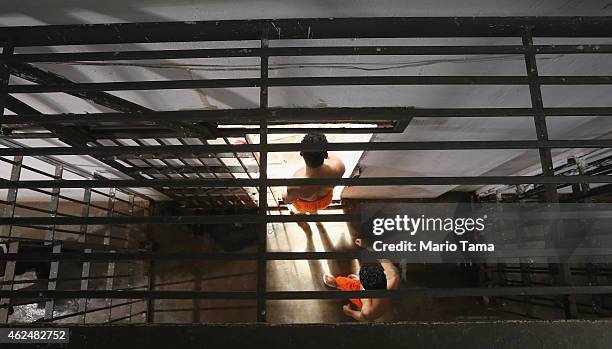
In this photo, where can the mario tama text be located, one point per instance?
(431, 246)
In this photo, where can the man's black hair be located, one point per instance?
(372, 277)
(314, 159)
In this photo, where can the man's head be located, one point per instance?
(314, 159)
(372, 277)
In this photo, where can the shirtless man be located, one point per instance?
(319, 164)
(371, 277)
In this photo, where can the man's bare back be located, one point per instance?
(332, 167)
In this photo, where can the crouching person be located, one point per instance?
(383, 276)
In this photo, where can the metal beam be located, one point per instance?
(282, 182)
(300, 51)
(306, 28)
(190, 151)
(286, 295)
(295, 115)
(85, 87)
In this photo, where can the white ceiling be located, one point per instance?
(35, 12)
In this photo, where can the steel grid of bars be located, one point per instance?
(183, 122)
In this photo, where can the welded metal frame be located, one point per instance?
(265, 31)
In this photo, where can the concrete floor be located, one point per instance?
(290, 275)
(242, 276)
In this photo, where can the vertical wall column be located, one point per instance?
(263, 188)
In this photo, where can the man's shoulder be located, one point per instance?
(300, 172)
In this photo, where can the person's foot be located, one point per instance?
(329, 280)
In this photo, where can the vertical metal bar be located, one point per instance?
(57, 246)
(552, 196)
(108, 236)
(85, 213)
(537, 105)
(151, 288)
(86, 264)
(54, 204)
(263, 189)
(591, 270)
(13, 246)
(7, 51)
(131, 268)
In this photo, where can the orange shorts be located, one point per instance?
(304, 206)
(348, 284)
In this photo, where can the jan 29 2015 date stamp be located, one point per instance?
(34, 335)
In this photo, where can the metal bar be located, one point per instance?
(146, 152)
(281, 82)
(195, 169)
(294, 115)
(13, 246)
(52, 283)
(131, 268)
(67, 166)
(244, 256)
(292, 51)
(262, 235)
(546, 161)
(281, 182)
(56, 245)
(85, 213)
(306, 28)
(151, 286)
(307, 81)
(7, 51)
(84, 286)
(73, 136)
(108, 239)
(287, 295)
(376, 50)
(538, 108)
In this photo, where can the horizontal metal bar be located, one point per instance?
(203, 219)
(300, 51)
(306, 28)
(227, 115)
(569, 49)
(308, 81)
(192, 169)
(282, 82)
(185, 256)
(551, 254)
(292, 115)
(171, 150)
(574, 80)
(288, 295)
(276, 52)
(281, 182)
